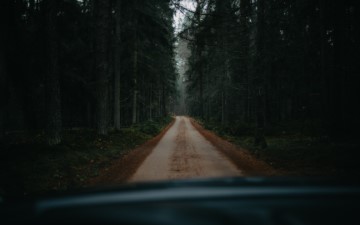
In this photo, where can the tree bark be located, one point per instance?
(245, 45)
(199, 50)
(135, 70)
(260, 99)
(135, 91)
(163, 99)
(260, 121)
(3, 26)
(159, 102)
(339, 74)
(150, 103)
(201, 90)
(2, 90)
(52, 80)
(222, 106)
(102, 13)
(323, 63)
(117, 68)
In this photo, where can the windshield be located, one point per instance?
(100, 92)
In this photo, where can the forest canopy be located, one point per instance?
(263, 63)
(107, 64)
(99, 64)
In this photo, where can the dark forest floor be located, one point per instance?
(300, 153)
(28, 166)
(296, 155)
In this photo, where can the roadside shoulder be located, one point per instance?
(123, 168)
(242, 158)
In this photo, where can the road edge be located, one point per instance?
(128, 164)
(240, 157)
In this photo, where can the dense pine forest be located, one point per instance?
(84, 82)
(96, 64)
(265, 63)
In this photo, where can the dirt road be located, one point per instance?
(184, 153)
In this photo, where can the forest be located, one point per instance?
(266, 63)
(96, 64)
(82, 80)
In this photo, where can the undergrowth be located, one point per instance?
(295, 148)
(29, 166)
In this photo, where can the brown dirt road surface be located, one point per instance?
(184, 153)
(183, 150)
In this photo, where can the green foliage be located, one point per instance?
(152, 127)
(297, 152)
(238, 128)
(312, 128)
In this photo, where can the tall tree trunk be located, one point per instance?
(102, 14)
(3, 39)
(222, 106)
(201, 84)
(163, 100)
(150, 103)
(260, 122)
(117, 68)
(337, 87)
(135, 67)
(159, 104)
(2, 90)
(135, 81)
(323, 64)
(199, 50)
(245, 44)
(53, 97)
(260, 96)
(201, 78)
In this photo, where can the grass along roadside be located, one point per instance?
(296, 152)
(28, 166)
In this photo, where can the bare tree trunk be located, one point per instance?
(198, 59)
(245, 44)
(4, 26)
(53, 97)
(222, 107)
(260, 121)
(2, 91)
(102, 12)
(89, 119)
(117, 55)
(337, 86)
(323, 64)
(150, 102)
(159, 105)
(201, 75)
(135, 75)
(201, 78)
(260, 101)
(2, 130)
(2, 77)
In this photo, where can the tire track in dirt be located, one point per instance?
(184, 153)
(184, 161)
(183, 150)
